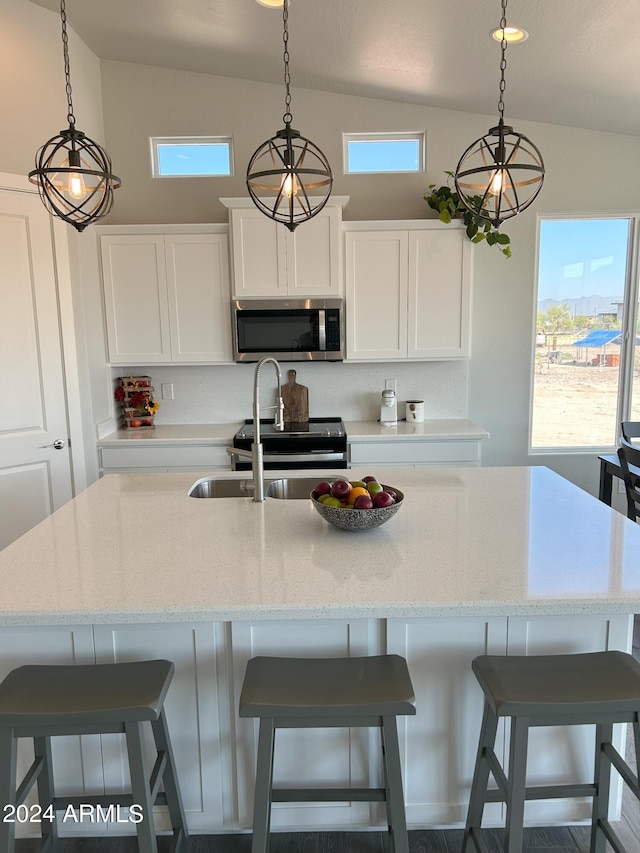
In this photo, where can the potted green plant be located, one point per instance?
(446, 202)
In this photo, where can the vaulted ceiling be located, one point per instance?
(579, 67)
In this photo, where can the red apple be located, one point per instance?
(383, 499)
(340, 489)
(369, 479)
(363, 502)
(323, 488)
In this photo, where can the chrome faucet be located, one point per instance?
(256, 454)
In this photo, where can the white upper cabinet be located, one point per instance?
(408, 291)
(268, 260)
(167, 296)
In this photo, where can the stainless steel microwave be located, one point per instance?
(288, 329)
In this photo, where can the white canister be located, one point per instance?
(414, 411)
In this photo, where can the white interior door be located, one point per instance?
(35, 477)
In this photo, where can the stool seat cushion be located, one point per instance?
(60, 695)
(548, 685)
(327, 687)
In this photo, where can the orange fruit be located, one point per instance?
(354, 493)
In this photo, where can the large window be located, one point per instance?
(586, 359)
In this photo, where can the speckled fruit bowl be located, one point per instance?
(358, 519)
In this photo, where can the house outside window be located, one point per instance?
(586, 362)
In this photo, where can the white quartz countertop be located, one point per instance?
(445, 429)
(207, 434)
(467, 541)
(173, 434)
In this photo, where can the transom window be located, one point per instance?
(195, 156)
(366, 153)
(586, 364)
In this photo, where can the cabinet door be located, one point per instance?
(259, 252)
(314, 257)
(199, 297)
(135, 292)
(439, 294)
(193, 708)
(324, 757)
(376, 292)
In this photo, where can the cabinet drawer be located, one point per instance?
(415, 453)
(164, 458)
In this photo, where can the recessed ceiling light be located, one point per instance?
(513, 35)
(273, 4)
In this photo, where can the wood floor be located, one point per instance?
(574, 839)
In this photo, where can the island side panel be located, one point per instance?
(196, 709)
(77, 760)
(305, 757)
(438, 746)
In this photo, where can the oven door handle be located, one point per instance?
(315, 456)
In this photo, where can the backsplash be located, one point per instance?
(221, 394)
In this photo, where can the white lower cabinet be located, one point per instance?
(164, 458)
(331, 757)
(455, 452)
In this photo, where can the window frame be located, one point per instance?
(156, 141)
(630, 314)
(419, 136)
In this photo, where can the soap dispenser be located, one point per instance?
(389, 405)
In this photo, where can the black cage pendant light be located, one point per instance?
(73, 173)
(500, 174)
(286, 169)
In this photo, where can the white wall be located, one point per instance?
(33, 107)
(586, 172)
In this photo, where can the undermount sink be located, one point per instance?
(210, 487)
(290, 488)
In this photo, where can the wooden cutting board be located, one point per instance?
(296, 400)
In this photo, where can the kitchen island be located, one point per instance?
(497, 560)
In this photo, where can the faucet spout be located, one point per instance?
(257, 459)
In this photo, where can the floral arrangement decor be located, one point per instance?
(135, 394)
(448, 205)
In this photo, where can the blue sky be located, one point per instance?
(582, 257)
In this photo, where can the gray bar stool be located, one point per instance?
(316, 693)
(600, 688)
(41, 702)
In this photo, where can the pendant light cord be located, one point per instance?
(287, 117)
(503, 61)
(65, 47)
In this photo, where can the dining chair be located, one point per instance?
(628, 454)
(630, 429)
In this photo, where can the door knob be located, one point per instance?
(58, 444)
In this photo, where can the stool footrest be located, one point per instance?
(336, 795)
(546, 792)
(104, 800)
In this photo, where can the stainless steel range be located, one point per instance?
(319, 443)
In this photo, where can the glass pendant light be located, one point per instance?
(500, 174)
(284, 170)
(73, 173)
